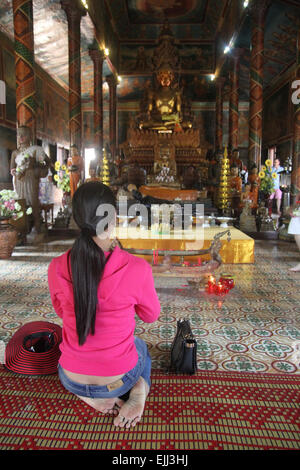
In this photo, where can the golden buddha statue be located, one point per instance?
(164, 105)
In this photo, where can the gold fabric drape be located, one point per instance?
(239, 250)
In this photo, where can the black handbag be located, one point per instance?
(184, 349)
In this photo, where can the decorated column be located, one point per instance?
(258, 13)
(112, 83)
(219, 113)
(74, 11)
(234, 99)
(24, 62)
(296, 108)
(97, 57)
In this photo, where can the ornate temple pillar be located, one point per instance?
(24, 62)
(219, 113)
(258, 10)
(234, 99)
(112, 84)
(98, 57)
(74, 11)
(296, 147)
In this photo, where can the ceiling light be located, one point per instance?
(226, 50)
(119, 79)
(106, 52)
(246, 3)
(212, 76)
(85, 4)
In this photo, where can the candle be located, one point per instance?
(155, 256)
(227, 280)
(210, 285)
(218, 288)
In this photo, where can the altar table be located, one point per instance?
(239, 250)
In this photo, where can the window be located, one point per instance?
(89, 155)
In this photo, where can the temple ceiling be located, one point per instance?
(131, 27)
(190, 19)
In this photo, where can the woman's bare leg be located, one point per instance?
(297, 268)
(104, 405)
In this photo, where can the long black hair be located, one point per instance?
(87, 258)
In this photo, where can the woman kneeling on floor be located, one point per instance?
(97, 291)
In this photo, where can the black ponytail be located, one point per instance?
(87, 259)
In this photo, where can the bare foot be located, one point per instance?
(104, 405)
(131, 412)
(295, 268)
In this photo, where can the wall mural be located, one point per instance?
(277, 106)
(195, 88)
(10, 80)
(52, 108)
(133, 88)
(193, 58)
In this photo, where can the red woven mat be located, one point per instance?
(211, 410)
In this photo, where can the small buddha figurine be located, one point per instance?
(165, 162)
(235, 182)
(93, 177)
(247, 195)
(235, 160)
(247, 220)
(254, 180)
(265, 222)
(75, 166)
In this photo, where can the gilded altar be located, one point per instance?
(143, 147)
(163, 139)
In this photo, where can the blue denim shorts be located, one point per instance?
(142, 369)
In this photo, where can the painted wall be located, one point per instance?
(52, 109)
(278, 120)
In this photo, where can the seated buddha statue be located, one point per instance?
(254, 180)
(164, 105)
(163, 163)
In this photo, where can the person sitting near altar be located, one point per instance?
(92, 174)
(97, 289)
(235, 160)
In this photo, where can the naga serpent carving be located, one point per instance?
(169, 269)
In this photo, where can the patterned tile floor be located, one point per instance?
(255, 328)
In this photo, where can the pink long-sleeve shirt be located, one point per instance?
(126, 288)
